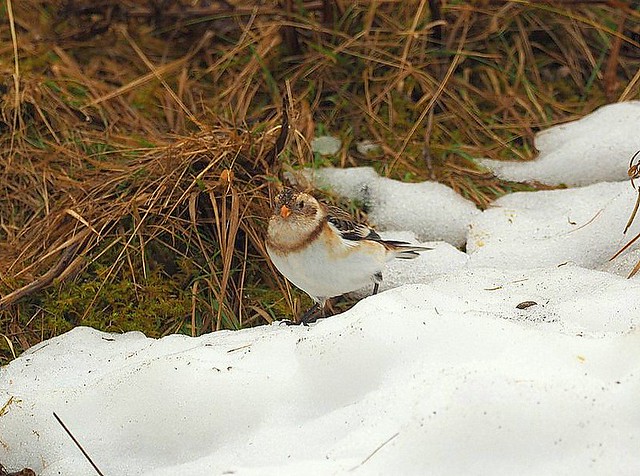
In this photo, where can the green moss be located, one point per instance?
(117, 306)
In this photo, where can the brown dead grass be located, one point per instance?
(132, 131)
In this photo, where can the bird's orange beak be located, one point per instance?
(285, 211)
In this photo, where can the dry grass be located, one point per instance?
(136, 136)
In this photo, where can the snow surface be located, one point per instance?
(392, 205)
(326, 145)
(520, 356)
(582, 226)
(596, 148)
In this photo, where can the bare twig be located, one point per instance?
(382, 445)
(438, 27)
(610, 72)
(281, 141)
(46, 279)
(16, 74)
(289, 33)
(77, 443)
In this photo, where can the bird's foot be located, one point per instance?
(287, 322)
(314, 313)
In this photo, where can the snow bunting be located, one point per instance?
(324, 252)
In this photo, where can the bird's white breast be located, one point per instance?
(330, 266)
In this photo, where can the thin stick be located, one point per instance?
(625, 247)
(194, 302)
(382, 445)
(16, 74)
(633, 214)
(78, 445)
(46, 279)
(610, 79)
(633, 174)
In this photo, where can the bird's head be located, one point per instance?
(295, 213)
(296, 206)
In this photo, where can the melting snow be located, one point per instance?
(531, 229)
(443, 214)
(596, 148)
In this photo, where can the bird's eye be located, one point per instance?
(300, 204)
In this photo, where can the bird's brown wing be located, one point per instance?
(352, 230)
(349, 228)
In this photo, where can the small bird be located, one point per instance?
(322, 250)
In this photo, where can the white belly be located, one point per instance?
(322, 274)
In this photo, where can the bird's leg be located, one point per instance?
(312, 314)
(377, 279)
(304, 320)
(309, 316)
(318, 311)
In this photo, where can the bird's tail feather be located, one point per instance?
(404, 250)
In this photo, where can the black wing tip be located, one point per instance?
(406, 245)
(404, 249)
(397, 243)
(408, 255)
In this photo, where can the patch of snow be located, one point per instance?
(369, 148)
(441, 259)
(434, 371)
(419, 207)
(596, 148)
(326, 145)
(623, 264)
(394, 205)
(352, 183)
(583, 226)
(568, 299)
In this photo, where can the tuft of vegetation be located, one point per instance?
(139, 141)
